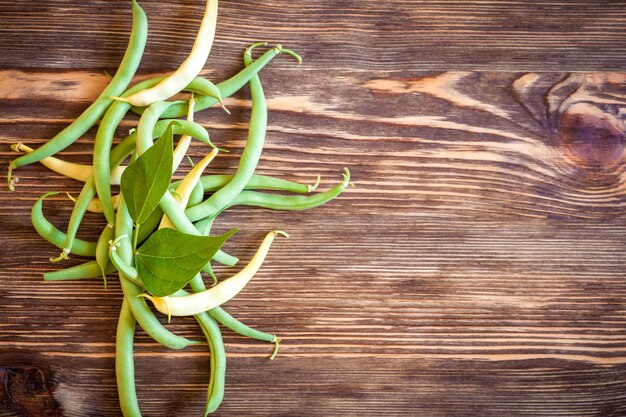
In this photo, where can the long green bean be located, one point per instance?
(125, 363)
(290, 202)
(285, 202)
(50, 233)
(249, 158)
(215, 390)
(102, 250)
(94, 112)
(225, 319)
(85, 270)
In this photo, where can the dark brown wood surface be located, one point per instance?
(476, 269)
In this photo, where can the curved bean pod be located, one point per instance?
(94, 112)
(225, 319)
(286, 202)
(198, 302)
(290, 202)
(79, 172)
(227, 88)
(146, 124)
(189, 69)
(50, 233)
(124, 268)
(257, 182)
(249, 158)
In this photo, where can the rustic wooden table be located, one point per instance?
(477, 269)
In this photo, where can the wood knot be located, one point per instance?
(592, 138)
(27, 392)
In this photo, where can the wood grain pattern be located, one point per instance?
(544, 35)
(476, 269)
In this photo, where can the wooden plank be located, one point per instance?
(544, 35)
(342, 386)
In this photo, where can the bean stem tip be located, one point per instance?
(281, 233)
(11, 181)
(63, 256)
(317, 183)
(276, 342)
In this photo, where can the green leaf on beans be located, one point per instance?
(145, 180)
(169, 259)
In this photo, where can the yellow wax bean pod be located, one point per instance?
(72, 170)
(184, 189)
(188, 70)
(192, 304)
(183, 144)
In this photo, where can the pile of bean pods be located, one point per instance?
(157, 235)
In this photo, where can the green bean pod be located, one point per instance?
(102, 148)
(94, 112)
(146, 124)
(215, 391)
(50, 233)
(196, 196)
(222, 317)
(290, 202)
(283, 202)
(102, 250)
(212, 183)
(249, 158)
(86, 270)
(125, 363)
